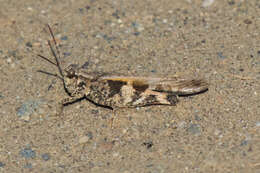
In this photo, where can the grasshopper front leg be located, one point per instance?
(69, 100)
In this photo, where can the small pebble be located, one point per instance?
(9, 60)
(26, 118)
(12, 53)
(165, 20)
(28, 44)
(30, 8)
(87, 7)
(64, 38)
(90, 135)
(28, 108)
(232, 2)
(182, 124)
(107, 38)
(2, 165)
(138, 26)
(66, 54)
(257, 124)
(244, 142)
(119, 21)
(197, 118)
(194, 129)
(28, 165)
(136, 33)
(81, 10)
(115, 154)
(217, 132)
(116, 14)
(207, 3)
(86, 138)
(45, 156)
(248, 21)
(83, 139)
(148, 144)
(28, 153)
(220, 55)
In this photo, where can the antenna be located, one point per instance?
(57, 64)
(57, 61)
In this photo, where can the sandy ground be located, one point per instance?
(216, 131)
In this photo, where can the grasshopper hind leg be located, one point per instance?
(150, 97)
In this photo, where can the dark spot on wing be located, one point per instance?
(151, 100)
(115, 87)
(136, 96)
(172, 99)
(140, 86)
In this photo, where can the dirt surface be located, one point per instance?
(216, 131)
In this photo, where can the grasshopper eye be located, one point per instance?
(81, 84)
(71, 70)
(70, 74)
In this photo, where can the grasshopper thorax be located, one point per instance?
(75, 81)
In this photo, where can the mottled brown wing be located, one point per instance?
(179, 86)
(175, 85)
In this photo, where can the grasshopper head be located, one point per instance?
(75, 81)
